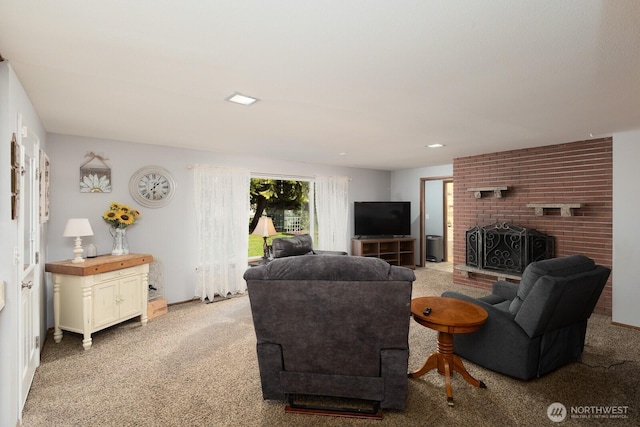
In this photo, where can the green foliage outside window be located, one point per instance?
(286, 201)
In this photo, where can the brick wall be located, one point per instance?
(577, 172)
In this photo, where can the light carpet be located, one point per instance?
(197, 366)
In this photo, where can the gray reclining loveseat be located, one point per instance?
(332, 326)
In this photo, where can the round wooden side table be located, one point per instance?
(448, 316)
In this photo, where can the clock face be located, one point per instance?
(152, 186)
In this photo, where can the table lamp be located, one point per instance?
(78, 227)
(265, 229)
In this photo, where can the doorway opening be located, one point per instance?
(436, 222)
(448, 216)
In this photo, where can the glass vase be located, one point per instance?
(120, 245)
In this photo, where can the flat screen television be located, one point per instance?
(373, 219)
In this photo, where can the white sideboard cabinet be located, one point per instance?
(98, 293)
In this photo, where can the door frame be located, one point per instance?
(445, 213)
(28, 328)
(423, 248)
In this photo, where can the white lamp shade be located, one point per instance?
(265, 227)
(77, 227)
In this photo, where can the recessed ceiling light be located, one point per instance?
(434, 145)
(239, 98)
(343, 153)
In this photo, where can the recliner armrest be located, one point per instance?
(506, 290)
(489, 307)
(457, 295)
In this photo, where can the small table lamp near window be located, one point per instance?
(78, 227)
(265, 229)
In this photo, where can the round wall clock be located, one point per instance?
(152, 186)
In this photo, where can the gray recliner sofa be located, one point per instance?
(538, 325)
(332, 326)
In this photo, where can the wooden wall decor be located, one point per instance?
(95, 175)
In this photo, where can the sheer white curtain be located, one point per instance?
(222, 215)
(332, 206)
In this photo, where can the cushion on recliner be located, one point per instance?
(296, 245)
(555, 267)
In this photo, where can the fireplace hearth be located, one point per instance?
(506, 247)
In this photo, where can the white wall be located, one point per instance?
(167, 233)
(13, 101)
(405, 185)
(626, 237)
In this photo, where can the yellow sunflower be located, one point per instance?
(110, 215)
(120, 216)
(125, 218)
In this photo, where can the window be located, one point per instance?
(289, 203)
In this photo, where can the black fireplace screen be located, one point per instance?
(506, 247)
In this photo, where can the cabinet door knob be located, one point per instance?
(28, 285)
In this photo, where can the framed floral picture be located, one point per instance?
(95, 175)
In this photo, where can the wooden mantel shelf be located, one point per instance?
(565, 208)
(497, 191)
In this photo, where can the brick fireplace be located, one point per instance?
(564, 191)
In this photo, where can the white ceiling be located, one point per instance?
(375, 79)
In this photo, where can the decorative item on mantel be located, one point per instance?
(119, 217)
(95, 176)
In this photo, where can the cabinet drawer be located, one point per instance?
(118, 274)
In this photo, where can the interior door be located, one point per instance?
(29, 270)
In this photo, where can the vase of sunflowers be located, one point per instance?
(119, 217)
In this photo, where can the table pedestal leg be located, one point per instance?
(446, 363)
